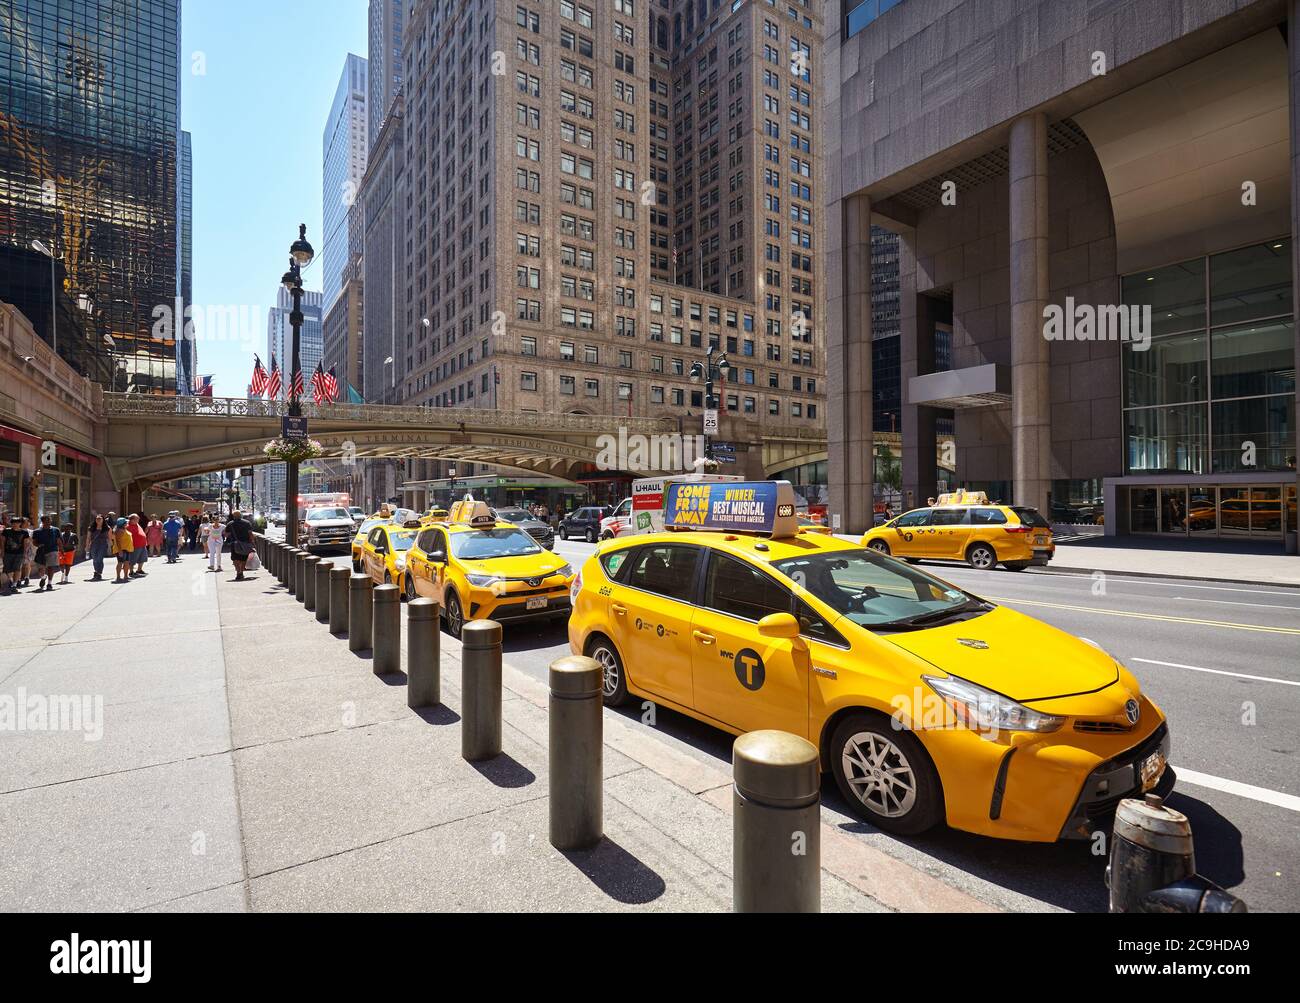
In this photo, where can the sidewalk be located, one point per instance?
(249, 761)
(1242, 561)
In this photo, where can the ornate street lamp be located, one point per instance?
(300, 256)
(711, 369)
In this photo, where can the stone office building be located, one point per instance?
(1053, 170)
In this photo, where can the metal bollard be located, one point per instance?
(311, 563)
(386, 631)
(359, 603)
(776, 824)
(423, 660)
(290, 565)
(277, 559)
(323, 597)
(576, 753)
(480, 690)
(339, 600)
(300, 576)
(1152, 864)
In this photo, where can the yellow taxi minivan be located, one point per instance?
(928, 704)
(384, 552)
(479, 569)
(966, 526)
(362, 534)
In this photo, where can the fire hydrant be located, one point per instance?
(1152, 865)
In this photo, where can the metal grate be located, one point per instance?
(1061, 137)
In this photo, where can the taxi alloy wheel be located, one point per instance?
(879, 546)
(455, 618)
(613, 679)
(886, 775)
(982, 557)
(409, 588)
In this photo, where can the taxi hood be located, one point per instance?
(527, 566)
(1013, 654)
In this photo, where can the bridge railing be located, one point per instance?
(143, 405)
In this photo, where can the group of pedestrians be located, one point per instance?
(43, 551)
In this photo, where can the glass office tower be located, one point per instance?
(88, 167)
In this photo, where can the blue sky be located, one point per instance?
(257, 81)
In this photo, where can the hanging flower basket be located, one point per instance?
(293, 450)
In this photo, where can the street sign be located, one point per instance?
(724, 452)
(711, 422)
(294, 427)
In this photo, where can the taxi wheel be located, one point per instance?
(356, 567)
(886, 775)
(613, 678)
(982, 557)
(879, 546)
(455, 618)
(408, 589)
(1016, 565)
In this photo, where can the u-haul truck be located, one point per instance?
(648, 498)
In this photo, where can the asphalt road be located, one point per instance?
(1222, 661)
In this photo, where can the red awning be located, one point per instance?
(17, 435)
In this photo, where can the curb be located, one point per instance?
(1065, 570)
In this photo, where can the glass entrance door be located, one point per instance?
(1173, 511)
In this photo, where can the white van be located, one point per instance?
(648, 498)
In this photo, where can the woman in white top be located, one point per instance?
(210, 538)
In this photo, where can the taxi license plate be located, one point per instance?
(538, 603)
(1151, 769)
(1040, 541)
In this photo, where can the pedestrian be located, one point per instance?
(15, 542)
(99, 544)
(210, 533)
(172, 535)
(47, 553)
(29, 552)
(140, 546)
(123, 544)
(154, 533)
(68, 544)
(240, 532)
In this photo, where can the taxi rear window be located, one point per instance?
(1030, 517)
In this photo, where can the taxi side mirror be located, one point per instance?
(779, 625)
(438, 557)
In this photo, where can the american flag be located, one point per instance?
(295, 393)
(319, 392)
(260, 379)
(331, 385)
(274, 385)
(203, 386)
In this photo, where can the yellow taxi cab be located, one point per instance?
(363, 533)
(478, 569)
(966, 526)
(384, 553)
(436, 514)
(927, 703)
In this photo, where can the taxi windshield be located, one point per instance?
(485, 544)
(879, 593)
(402, 540)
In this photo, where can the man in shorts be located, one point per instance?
(47, 553)
(15, 543)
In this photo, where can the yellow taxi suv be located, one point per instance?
(384, 554)
(928, 704)
(479, 569)
(965, 526)
(363, 534)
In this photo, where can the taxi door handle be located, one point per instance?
(702, 637)
(619, 609)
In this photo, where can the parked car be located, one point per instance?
(583, 522)
(534, 527)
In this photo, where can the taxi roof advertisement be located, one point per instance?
(738, 506)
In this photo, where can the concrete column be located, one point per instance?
(915, 358)
(1031, 429)
(848, 371)
(1293, 49)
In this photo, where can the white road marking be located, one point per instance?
(1262, 794)
(1218, 672)
(1225, 602)
(1281, 591)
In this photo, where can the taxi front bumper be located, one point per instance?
(506, 609)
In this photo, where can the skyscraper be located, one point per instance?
(89, 168)
(186, 348)
(344, 146)
(384, 59)
(279, 336)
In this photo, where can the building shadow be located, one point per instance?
(618, 874)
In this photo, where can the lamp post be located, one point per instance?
(300, 256)
(709, 370)
(54, 300)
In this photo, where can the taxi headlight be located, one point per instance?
(984, 710)
(565, 571)
(399, 562)
(483, 581)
